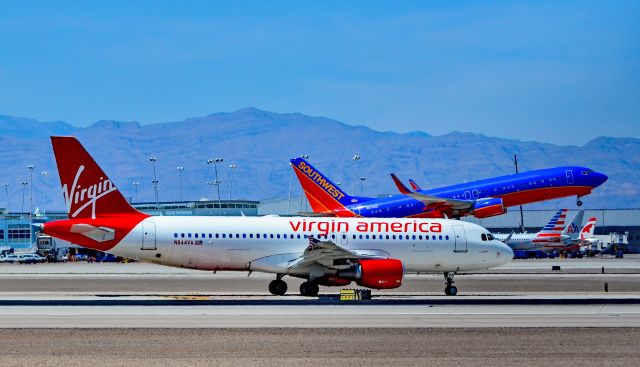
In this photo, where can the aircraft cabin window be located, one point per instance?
(237, 235)
(250, 235)
(333, 236)
(433, 237)
(393, 237)
(446, 237)
(440, 237)
(257, 235)
(399, 236)
(344, 236)
(217, 235)
(182, 235)
(426, 238)
(354, 236)
(271, 235)
(224, 235)
(189, 235)
(175, 235)
(367, 237)
(360, 236)
(413, 237)
(387, 237)
(264, 235)
(278, 235)
(285, 235)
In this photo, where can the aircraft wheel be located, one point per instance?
(579, 202)
(309, 289)
(453, 290)
(447, 290)
(278, 287)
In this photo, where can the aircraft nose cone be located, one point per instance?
(601, 178)
(504, 253)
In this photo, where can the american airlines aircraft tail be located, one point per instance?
(374, 253)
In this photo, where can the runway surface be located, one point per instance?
(497, 347)
(137, 314)
(80, 295)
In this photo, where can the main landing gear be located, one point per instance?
(450, 289)
(278, 286)
(309, 289)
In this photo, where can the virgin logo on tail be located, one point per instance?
(81, 197)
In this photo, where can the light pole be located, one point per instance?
(24, 186)
(303, 156)
(210, 183)
(135, 185)
(6, 191)
(356, 158)
(30, 167)
(180, 169)
(155, 180)
(232, 167)
(362, 179)
(216, 181)
(44, 176)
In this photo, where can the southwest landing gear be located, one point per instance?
(309, 289)
(278, 286)
(450, 289)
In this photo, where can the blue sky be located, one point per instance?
(561, 72)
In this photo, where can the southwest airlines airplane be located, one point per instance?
(484, 198)
(375, 253)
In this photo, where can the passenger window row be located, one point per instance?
(319, 236)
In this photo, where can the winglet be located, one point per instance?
(414, 185)
(401, 187)
(508, 237)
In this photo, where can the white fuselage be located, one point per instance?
(269, 244)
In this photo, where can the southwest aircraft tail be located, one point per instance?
(324, 196)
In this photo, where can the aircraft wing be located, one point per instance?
(325, 252)
(442, 204)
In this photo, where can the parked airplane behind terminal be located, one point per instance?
(375, 253)
(484, 198)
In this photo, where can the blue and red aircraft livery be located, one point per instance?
(483, 198)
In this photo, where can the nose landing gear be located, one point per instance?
(278, 286)
(579, 202)
(450, 289)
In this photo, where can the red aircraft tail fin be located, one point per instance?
(88, 192)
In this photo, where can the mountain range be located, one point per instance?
(260, 144)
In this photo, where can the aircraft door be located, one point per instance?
(344, 238)
(467, 195)
(460, 239)
(569, 175)
(148, 236)
(475, 193)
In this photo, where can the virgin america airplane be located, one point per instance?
(375, 253)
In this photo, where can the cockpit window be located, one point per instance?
(587, 172)
(490, 237)
(484, 237)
